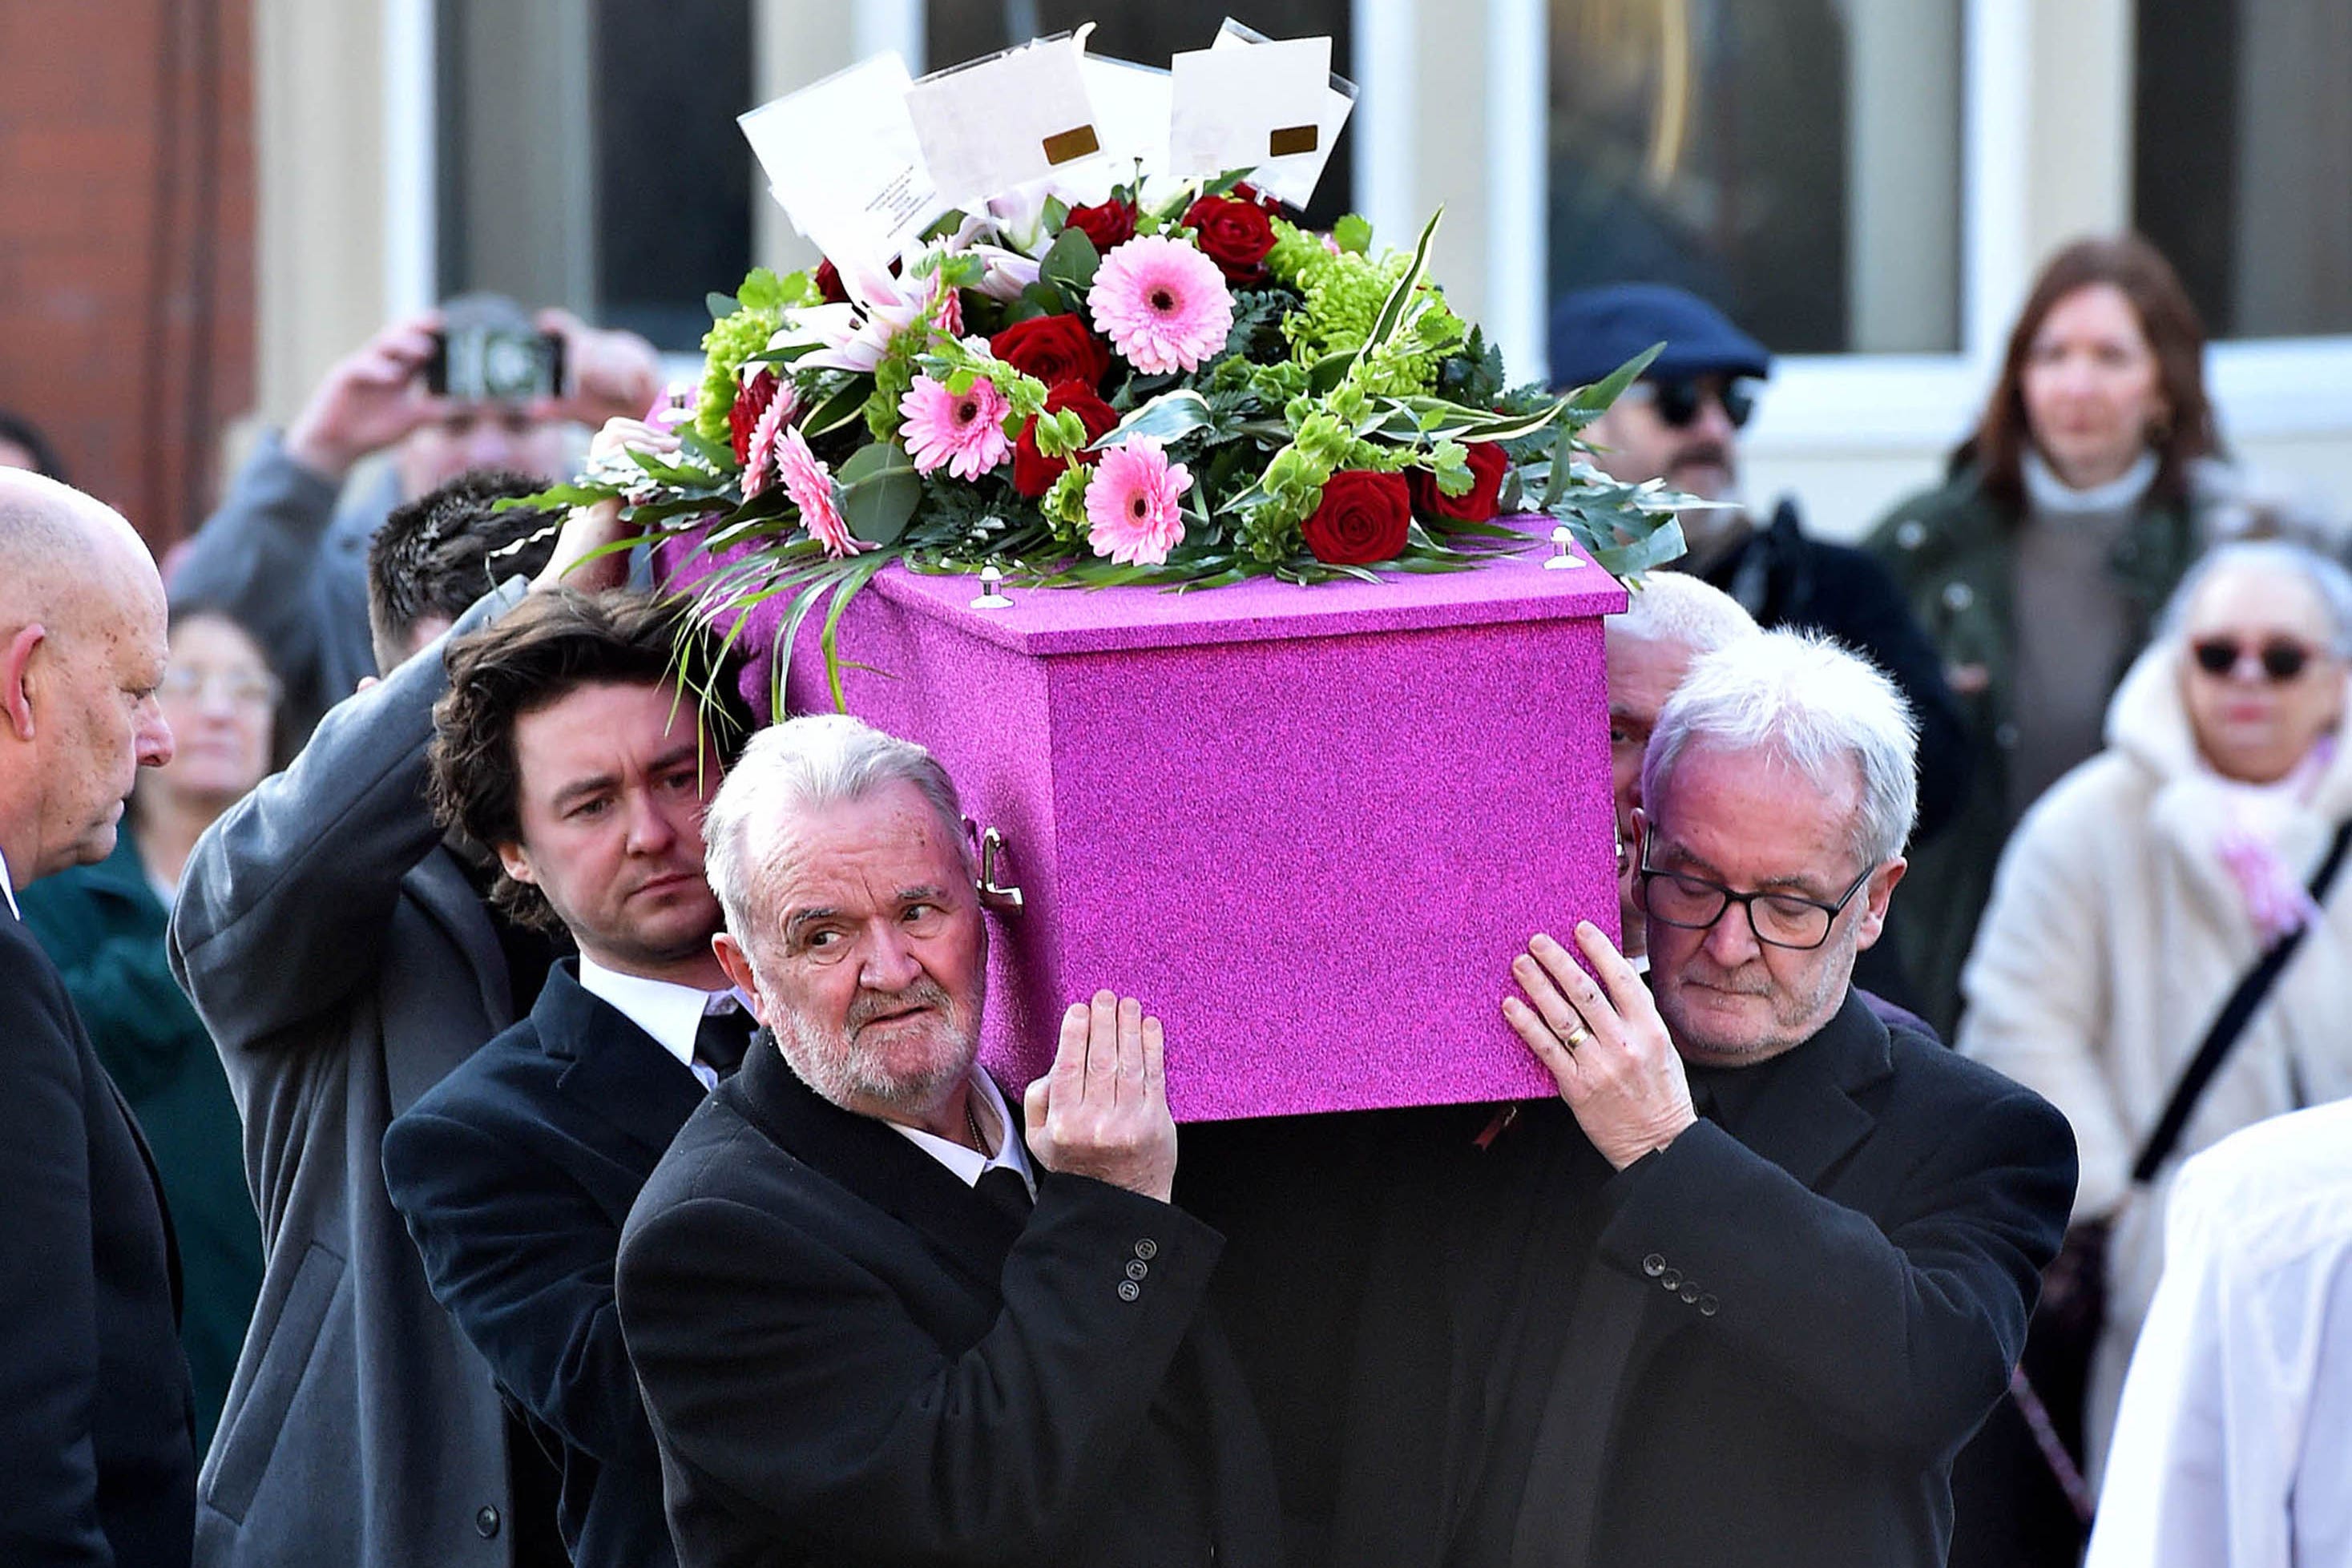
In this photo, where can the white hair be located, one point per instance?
(1688, 611)
(804, 764)
(2283, 557)
(1817, 706)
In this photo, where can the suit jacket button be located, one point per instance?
(486, 1521)
(1128, 1289)
(1655, 1264)
(1147, 1250)
(1138, 1269)
(1672, 1279)
(1959, 597)
(1709, 1306)
(1690, 1295)
(1910, 534)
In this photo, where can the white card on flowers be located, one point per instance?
(1000, 122)
(1291, 177)
(1237, 108)
(1131, 113)
(865, 197)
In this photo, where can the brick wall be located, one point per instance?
(126, 241)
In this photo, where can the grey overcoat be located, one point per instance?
(343, 964)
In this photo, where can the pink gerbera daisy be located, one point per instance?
(1131, 509)
(810, 485)
(1162, 304)
(760, 455)
(964, 433)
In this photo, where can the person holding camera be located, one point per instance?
(474, 384)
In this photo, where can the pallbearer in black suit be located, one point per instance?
(873, 1324)
(1742, 1290)
(98, 1458)
(564, 744)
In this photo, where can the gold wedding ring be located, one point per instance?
(1576, 1037)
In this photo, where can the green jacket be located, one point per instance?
(1954, 551)
(103, 926)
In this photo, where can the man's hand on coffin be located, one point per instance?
(1102, 1111)
(1607, 1048)
(585, 557)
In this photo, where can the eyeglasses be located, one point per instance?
(1677, 403)
(2283, 658)
(240, 689)
(1777, 919)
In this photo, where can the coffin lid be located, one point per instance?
(1510, 587)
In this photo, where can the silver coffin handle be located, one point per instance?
(1002, 896)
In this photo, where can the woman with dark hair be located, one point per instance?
(2091, 482)
(103, 924)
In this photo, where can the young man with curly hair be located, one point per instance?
(567, 746)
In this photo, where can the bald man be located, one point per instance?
(1669, 619)
(97, 1425)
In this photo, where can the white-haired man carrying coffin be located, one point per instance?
(1741, 1291)
(878, 1316)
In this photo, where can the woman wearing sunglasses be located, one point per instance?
(2137, 896)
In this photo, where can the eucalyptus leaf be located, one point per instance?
(1660, 545)
(720, 306)
(879, 492)
(1072, 260)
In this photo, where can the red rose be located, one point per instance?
(1053, 349)
(1234, 234)
(1475, 504)
(1107, 224)
(750, 404)
(1270, 205)
(1033, 473)
(1362, 518)
(828, 283)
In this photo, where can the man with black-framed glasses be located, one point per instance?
(1681, 422)
(1740, 1293)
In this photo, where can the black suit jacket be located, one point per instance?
(852, 1357)
(98, 1459)
(1761, 1345)
(515, 1174)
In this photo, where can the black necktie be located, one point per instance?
(723, 1037)
(1002, 1186)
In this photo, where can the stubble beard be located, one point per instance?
(844, 1070)
(1794, 1020)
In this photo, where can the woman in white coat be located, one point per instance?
(2145, 884)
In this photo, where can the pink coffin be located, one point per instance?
(1310, 827)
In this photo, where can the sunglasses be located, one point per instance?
(1678, 403)
(2283, 659)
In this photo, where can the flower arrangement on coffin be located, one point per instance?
(1188, 393)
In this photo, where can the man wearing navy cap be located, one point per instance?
(1681, 421)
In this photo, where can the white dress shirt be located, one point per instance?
(2233, 1445)
(8, 888)
(672, 1014)
(968, 1165)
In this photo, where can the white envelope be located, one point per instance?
(1293, 177)
(1237, 108)
(1000, 122)
(843, 160)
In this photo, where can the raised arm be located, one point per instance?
(1902, 1336)
(287, 901)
